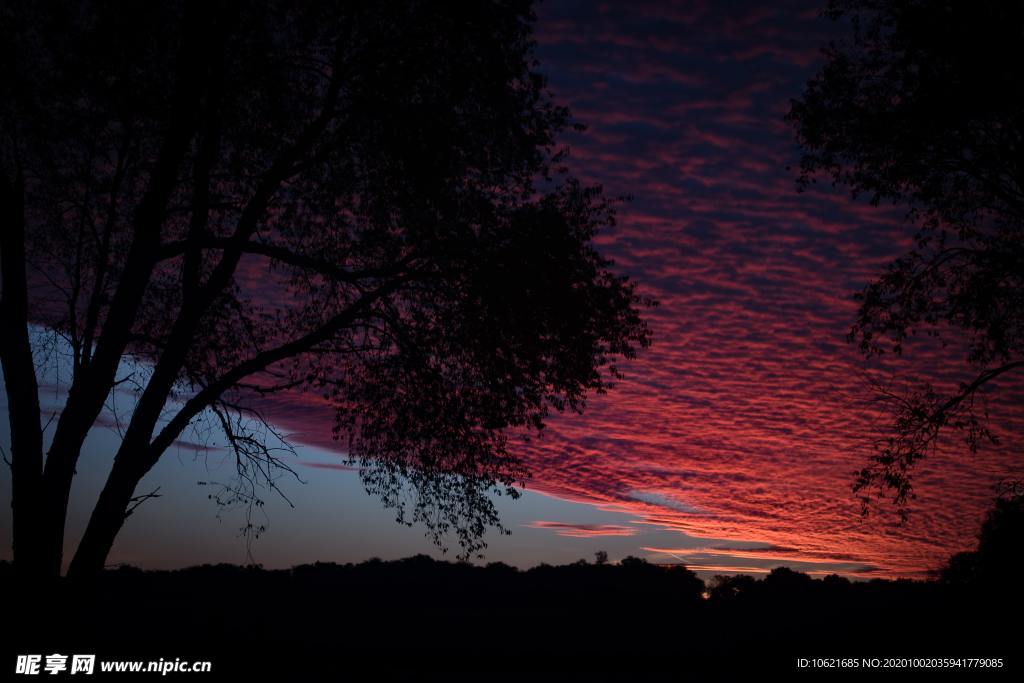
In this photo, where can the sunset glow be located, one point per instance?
(731, 444)
(748, 416)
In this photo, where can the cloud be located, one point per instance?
(584, 530)
(195, 447)
(341, 467)
(662, 500)
(746, 418)
(763, 552)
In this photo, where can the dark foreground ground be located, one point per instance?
(422, 619)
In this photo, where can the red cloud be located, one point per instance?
(747, 417)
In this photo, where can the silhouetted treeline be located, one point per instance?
(417, 616)
(407, 617)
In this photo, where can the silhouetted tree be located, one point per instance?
(995, 565)
(836, 584)
(922, 103)
(363, 200)
(786, 581)
(727, 589)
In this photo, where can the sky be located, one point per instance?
(730, 445)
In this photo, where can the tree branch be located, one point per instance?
(210, 393)
(284, 255)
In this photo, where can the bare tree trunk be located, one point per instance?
(106, 520)
(21, 387)
(56, 491)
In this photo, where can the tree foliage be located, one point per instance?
(922, 104)
(362, 200)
